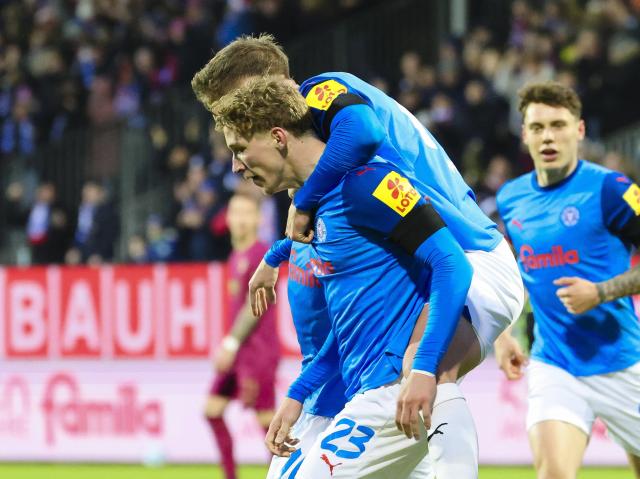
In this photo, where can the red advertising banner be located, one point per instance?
(120, 312)
(114, 364)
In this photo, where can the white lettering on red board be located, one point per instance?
(27, 331)
(62, 312)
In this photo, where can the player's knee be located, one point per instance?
(212, 414)
(214, 407)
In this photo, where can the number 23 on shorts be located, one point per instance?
(357, 438)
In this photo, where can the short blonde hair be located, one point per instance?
(245, 57)
(262, 104)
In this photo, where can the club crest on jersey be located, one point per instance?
(321, 96)
(397, 193)
(632, 197)
(570, 216)
(321, 230)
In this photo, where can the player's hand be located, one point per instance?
(578, 295)
(223, 360)
(417, 394)
(278, 439)
(509, 356)
(299, 225)
(262, 288)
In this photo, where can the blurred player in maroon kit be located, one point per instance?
(247, 359)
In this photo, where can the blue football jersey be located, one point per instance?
(375, 290)
(311, 320)
(583, 226)
(408, 146)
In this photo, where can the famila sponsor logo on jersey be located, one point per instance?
(557, 257)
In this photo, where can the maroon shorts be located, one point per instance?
(254, 389)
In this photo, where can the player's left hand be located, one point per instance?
(224, 360)
(417, 394)
(578, 295)
(278, 439)
(299, 225)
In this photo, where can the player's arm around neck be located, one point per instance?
(353, 131)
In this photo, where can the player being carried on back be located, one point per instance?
(356, 120)
(376, 235)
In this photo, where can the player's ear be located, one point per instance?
(523, 133)
(582, 129)
(279, 136)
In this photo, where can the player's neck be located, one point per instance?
(551, 176)
(305, 153)
(240, 244)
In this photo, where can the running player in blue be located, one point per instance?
(573, 224)
(384, 234)
(356, 120)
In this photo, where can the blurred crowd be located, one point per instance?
(468, 97)
(69, 64)
(64, 63)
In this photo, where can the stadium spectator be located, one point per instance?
(497, 174)
(137, 250)
(45, 222)
(617, 162)
(97, 227)
(198, 206)
(18, 131)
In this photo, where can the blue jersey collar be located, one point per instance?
(536, 186)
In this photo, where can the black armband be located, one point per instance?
(341, 101)
(415, 228)
(630, 233)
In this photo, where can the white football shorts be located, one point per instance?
(363, 441)
(496, 294)
(554, 394)
(307, 429)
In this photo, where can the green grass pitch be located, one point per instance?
(73, 471)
